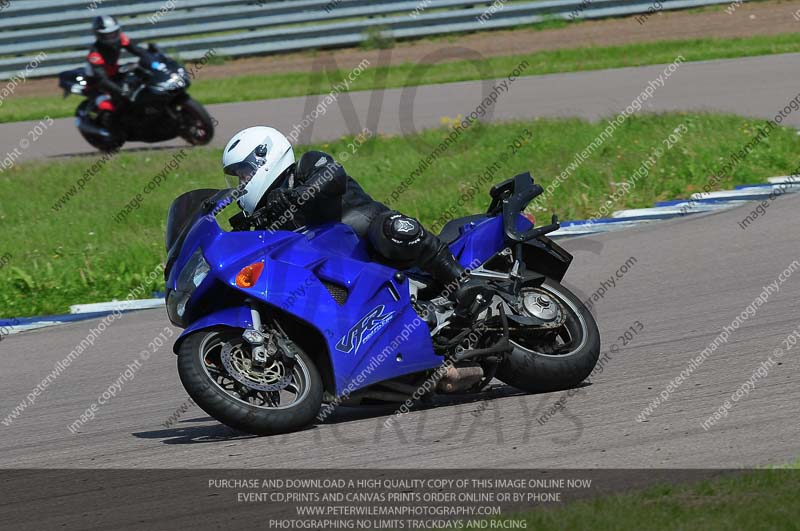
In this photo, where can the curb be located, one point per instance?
(697, 203)
(109, 307)
(78, 312)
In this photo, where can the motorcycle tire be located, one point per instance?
(197, 127)
(534, 371)
(196, 354)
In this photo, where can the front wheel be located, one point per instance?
(560, 359)
(216, 370)
(196, 125)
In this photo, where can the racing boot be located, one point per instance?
(470, 294)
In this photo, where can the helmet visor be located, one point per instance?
(243, 171)
(108, 37)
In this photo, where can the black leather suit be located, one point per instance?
(322, 192)
(104, 61)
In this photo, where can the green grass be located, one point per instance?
(763, 499)
(82, 255)
(793, 466)
(258, 87)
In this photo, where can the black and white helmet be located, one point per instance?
(106, 29)
(257, 157)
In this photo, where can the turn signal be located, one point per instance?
(248, 276)
(530, 217)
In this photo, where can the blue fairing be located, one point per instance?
(373, 336)
(480, 240)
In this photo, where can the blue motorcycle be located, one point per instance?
(276, 323)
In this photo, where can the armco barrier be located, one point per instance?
(254, 27)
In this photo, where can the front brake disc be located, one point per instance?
(241, 369)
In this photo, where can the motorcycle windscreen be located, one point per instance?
(184, 211)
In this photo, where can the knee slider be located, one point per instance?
(403, 230)
(397, 238)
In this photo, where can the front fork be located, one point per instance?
(255, 338)
(264, 345)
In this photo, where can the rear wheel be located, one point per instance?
(216, 370)
(560, 359)
(196, 126)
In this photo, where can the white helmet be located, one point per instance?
(257, 156)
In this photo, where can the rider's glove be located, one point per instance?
(283, 211)
(279, 203)
(239, 222)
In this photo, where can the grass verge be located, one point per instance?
(81, 254)
(762, 499)
(260, 87)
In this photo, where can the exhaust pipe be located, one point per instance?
(91, 129)
(459, 379)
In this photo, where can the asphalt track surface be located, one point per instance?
(753, 86)
(686, 284)
(691, 277)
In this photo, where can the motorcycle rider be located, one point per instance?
(104, 60)
(281, 193)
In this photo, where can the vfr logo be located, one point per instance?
(367, 327)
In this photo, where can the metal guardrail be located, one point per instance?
(235, 28)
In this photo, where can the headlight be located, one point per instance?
(184, 75)
(177, 80)
(174, 82)
(192, 275)
(194, 272)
